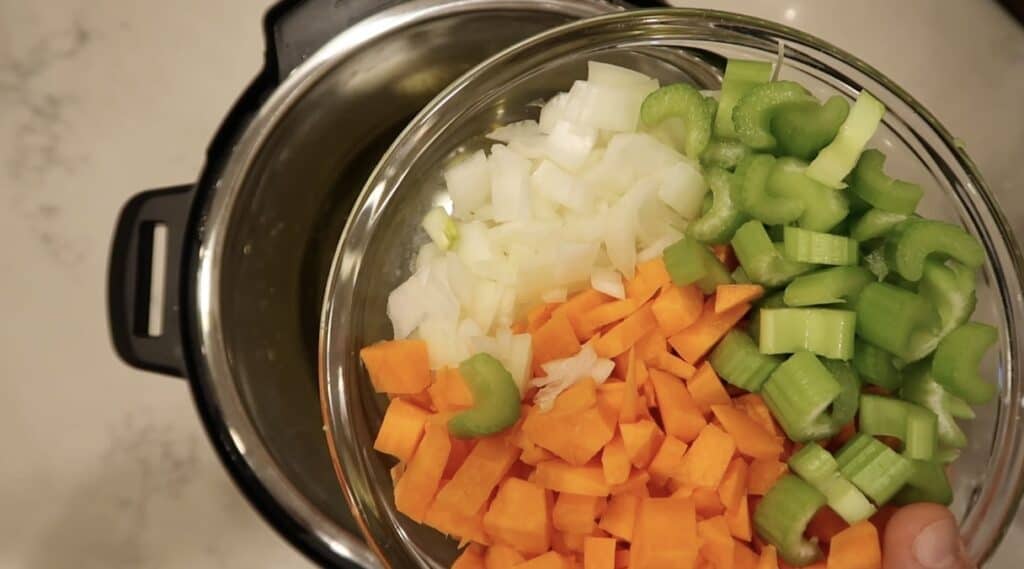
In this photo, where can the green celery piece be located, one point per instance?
(684, 261)
(875, 223)
(774, 300)
(741, 75)
(685, 102)
(919, 387)
(496, 399)
(846, 404)
(782, 517)
(912, 424)
(837, 159)
(928, 483)
(758, 202)
(875, 365)
(875, 262)
(827, 286)
(947, 455)
(803, 129)
(820, 469)
(737, 360)
(718, 224)
(869, 181)
(725, 154)
(826, 332)
(950, 289)
(915, 240)
(874, 468)
(824, 207)
(739, 276)
(753, 114)
(799, 393)
(956, 361)
(761, 259)
(805, 246)
(888, 315)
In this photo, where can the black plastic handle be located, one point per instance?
(129, 280)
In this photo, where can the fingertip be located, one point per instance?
(923, 536)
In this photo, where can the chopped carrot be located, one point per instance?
(641, 441)
(769, 558)
(631, 409)
(621, 558)
(665, 535)
(707, 502)
(636, 484)
(733, 488)
(418, 485)
(627, 333)
(665, 462)
(500, 556)
(744, 557)
(610, 396)
(401, 429)
(450, 522)
(731, 295)
(449, 391)
(762, 475)
(574, 513)
(649, 394)
(563, 477)
(540, 316)
(679, 413)
(397, 367)
(576, 307)
(675, 366)
(739, 520)
(598, 553)
(707, 389)
(856, 547)
(575, 437)
(581, 396)
(753, 405)
(535, 454)
(471, 558)
(549, 560)
(716, 542)
(650, 276)
(456, 456)
(708, 458)
(605, 314)
(473, 482)
(751, 439)
(651, 346)
(615, 462)
(825, 525)
(518, 517)
(677, 308)
(555, 340)
(619, 519)
(698, 339)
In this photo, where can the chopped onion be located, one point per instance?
(564, 373)
(606, 107)
(469, 183)
(440, 228)
(569, 145)
(608, 282)
(515, 131)
(510, 184)
(682, 188)
(614, 76)
(487, 297)
(552, 112)
(555, 295)
(474, 245)
(557, 185)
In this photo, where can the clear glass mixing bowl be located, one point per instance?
(382, 235)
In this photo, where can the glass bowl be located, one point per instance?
(382, 235)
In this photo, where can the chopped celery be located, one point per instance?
(683, 101)
(799, 393)
(688, 262)
(719, 223)
(875, 262)
(738, 361)
(875, 365)
(921, 388)
(820, 469)
(915, 240)
(837, 159)
(928, 483)
(495, 395)
(803, 129)
(887, 316)
(875, 223)
(827, 286)
(783, 515)
(760, 258)
(914, 425)
(824, 207)
(725, 154)
(754, 112)
(957, 359)
(870, 183)
(949, 288)
(827, 332)
(739, 276)
(807, 246)
(874, 468)
(741, 76)
(845, 405)
(758, 202)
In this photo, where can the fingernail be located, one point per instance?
(938, 545)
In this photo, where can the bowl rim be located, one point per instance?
(377, 182)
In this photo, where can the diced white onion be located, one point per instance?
(564, 373)
(515, 131)
(469, 183)
(510, 184)
(440, 228)
(682, 188)
(569, 145)
(608, 282)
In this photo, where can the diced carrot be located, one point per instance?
(650, 276)
(753, 405)
(698, 339)
(397, 367)
(677, 308)
(665, 535)
(481, 472)
(649, 394)
(421, 399)
(534, 455)
(762, 475)
(549, 560)
(708, 458)
(631, 409)
(618, 520)
(856, 547)
(518, 517)
(563, 477)
(665, 462)
(751, 439)
(641, 441)
(707, 389)
(460, 450)
(401, 429)
(576, 307)
(605, 314)
(615, 462)
(520, 328)
(769, 558)
(539, 316)
(707, 502)
(716, 542)
(574, 513)
(730, 295)
(744, 557)
(825, 525)
(581, 396)
(642, 373)
(471, 558)
(610, 396)
(555, 340)
(882, 517)
(738, 519)
(452, 523)
(598, 553)
(627, 333)
(725, 255)
(621, 558)
(449, 391)
(679, 413)
(500, 556)
(651, 346)
(572, 544)
(576, 437)
(675, 366)
(418, 485)
(733, 488)
(636, 484)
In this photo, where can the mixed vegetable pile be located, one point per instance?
(665, 328)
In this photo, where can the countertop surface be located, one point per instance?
(108, 467)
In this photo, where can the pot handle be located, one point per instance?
(145, 336)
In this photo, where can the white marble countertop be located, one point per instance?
(108, 467)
